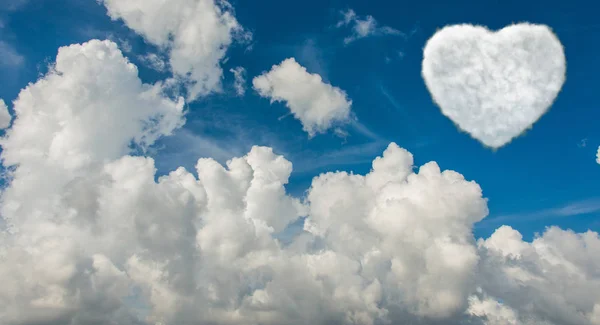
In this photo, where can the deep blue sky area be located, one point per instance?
(548, 176)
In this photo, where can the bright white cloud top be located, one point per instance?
(90, 237)
(196, 33)
(4, 115)
(494, 85)
(87, 110)
(362, 28)
(598, 156)
(316, 104)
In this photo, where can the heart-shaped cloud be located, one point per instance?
(494, 85)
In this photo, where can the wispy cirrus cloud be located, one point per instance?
(10, 56)
(239, 83)
(362, 28)
(12, 5)
(154, 62)
(346, 156)
(571, 209)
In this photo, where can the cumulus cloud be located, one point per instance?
(403, 232)
(553, 280)
(196, 34)
(90, 235)
(4, 115)
(316, 104)
(76, 120)
(491, 311)
(239, 83)
(362, 28)
(598, 156)
(494, 85)
(86, 111)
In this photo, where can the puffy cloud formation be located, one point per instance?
(91, 107)
(490, 311)
(402, 233)
(553, 280)
(239, 83)
(316, 104)
(196, 33)
(494, 85)
(598, 156)
(70, 127)
(362, 28)
(4, 115)
(90, 235)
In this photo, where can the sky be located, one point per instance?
(306, 95)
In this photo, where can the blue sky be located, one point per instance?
(548, 176)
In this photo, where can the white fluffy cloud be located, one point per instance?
(491, 311)
(316, 104)
(196, 33)
(405, 231)
(90, 235)
(74, 120)
(239, 83)
(598, 156)
(494, 85)
(362, 28)
(86, 112)
(4, 115)
(553, 279)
